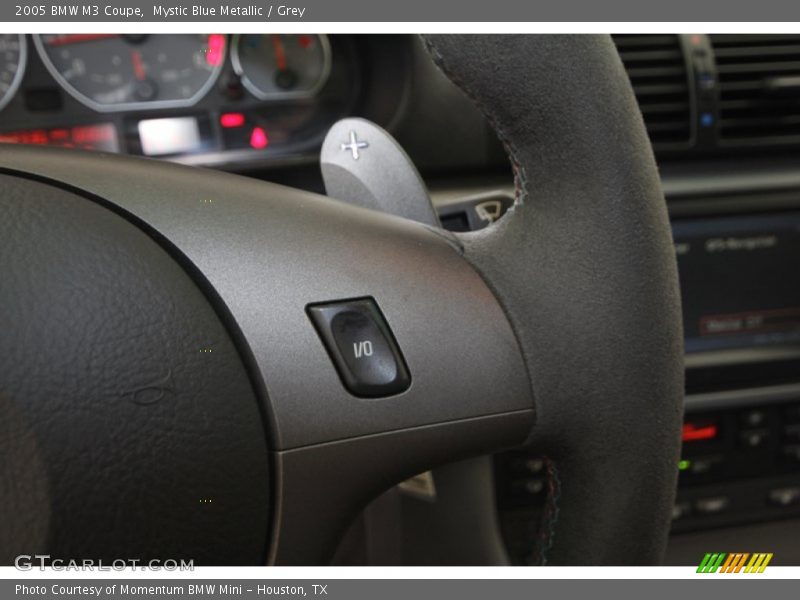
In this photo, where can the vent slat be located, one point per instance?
(652, 55)
(645, 40)
(660, 89)
(748, 86)
(757, 104)
(763, 121)
(745, 53)
(759, 68)
(660, 72)
(657, 70)
(750, 112)
(728, 40)
(655, 127)
(665, 107)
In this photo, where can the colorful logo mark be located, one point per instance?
(736, 562)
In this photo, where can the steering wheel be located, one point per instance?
(198, 365)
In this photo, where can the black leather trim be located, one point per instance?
(128, 425)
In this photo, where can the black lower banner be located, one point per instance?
(392, 589)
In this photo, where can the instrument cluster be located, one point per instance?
(215, 99)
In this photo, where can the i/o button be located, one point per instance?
(361, 346)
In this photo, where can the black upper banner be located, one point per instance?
(463, 11)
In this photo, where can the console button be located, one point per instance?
(712, 506)
(681, 510)
(702, 465)
(792, 433)
(703, 430)
(530, 465)
(362, 347)
(784, 496)
(792, 452)
(753, 438)
(528, 488)
(754, 418)
(792, 413)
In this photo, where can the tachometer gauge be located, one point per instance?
(12, 65)
(274, 66)
(130, 72)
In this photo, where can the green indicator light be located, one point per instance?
(684, 464)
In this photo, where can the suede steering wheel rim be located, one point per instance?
(591, 215)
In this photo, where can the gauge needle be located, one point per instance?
(138, 67)
(63, 40)
(280, 53)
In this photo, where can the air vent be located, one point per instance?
(657, 70)
(759, 88)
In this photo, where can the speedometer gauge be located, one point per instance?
(12, 65)
(281, 66)
(133, 72)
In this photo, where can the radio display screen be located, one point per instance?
(740, 280)
(95, 136)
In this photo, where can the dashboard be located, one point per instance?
(229, 101)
